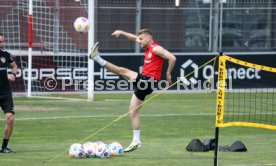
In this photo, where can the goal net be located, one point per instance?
(59, 53)
(246, 94)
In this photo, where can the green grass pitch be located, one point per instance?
(45, 129)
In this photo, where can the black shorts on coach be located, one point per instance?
(6, 103)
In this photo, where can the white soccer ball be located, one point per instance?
(81, 24)
(103, 151)
(89, 148)
(116, 149)
(76, 151)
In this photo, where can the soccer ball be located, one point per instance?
(81, 24)
(89, 148)
(116, 149)
(103, 151)
(76, 151)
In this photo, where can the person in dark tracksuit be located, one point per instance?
(6, 100)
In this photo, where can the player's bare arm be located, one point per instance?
(160, 51)
(129, 36)
(13, 66)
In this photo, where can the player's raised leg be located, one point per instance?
(122, 71)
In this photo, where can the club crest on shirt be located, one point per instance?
(149, 55)
(3, 60)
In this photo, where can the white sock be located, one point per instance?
(136, 136)
(100, 60)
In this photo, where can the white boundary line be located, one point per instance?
(112, 116)
(104, 116)
(58, 98)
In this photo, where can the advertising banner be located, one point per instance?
(191, 72)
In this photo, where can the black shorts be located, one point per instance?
(143, 86)
(6, 104)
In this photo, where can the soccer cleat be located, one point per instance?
(133, 146)
(6, 150)
(94, 51)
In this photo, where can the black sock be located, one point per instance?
(5, 143)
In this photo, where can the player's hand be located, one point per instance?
(11, 77)
(169, 78)
(116, 33)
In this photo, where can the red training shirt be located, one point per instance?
(152, 63)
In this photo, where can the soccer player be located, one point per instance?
(6, 101)
(152, 68)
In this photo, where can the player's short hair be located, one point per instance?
(1, 34)
(145, 31)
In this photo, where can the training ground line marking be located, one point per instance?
(112, 116)
(104, 116)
